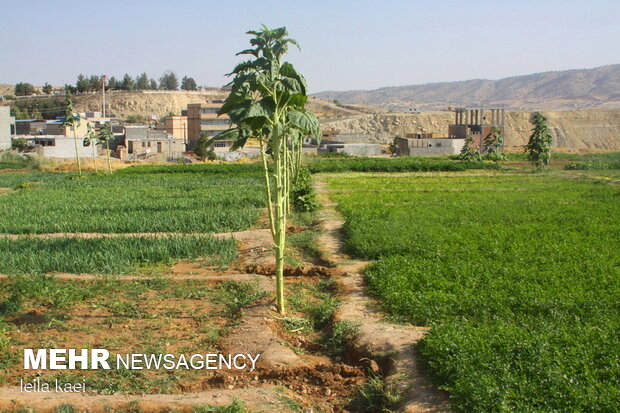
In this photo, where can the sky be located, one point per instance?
(345, 45)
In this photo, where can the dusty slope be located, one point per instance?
(145, 103)
(583, 88)
(162, 103)
(593, 129)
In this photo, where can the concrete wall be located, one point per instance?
(64, 147)
(6, 120)
(355, 149)
(430, 147)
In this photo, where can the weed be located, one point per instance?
(376, 396)
(237, 406)
(340, 334)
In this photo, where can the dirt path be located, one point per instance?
(377, 337)
(266, 398)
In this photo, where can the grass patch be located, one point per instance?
(404, 164)
(376, 396)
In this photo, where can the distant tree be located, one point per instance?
(112, 83)
(91, 140)
(24, 89)
(82, 84)
(188, 83)
(36, 114)
(168, 81)
(127, 83)
(47, 88)
(538, 148)
(153, 84)
(142, 82)
(19, 144)
(94, 83)
(72, 120)
(70, 88)
(204, 148)
(492, 145)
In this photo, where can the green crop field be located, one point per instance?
(124, 203)
(192, 199)
(517, 274)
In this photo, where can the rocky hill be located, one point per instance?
(162, 103)
(573, 130)
(569, 89)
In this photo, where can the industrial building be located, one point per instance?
(203, 118)
(7, 127)
(428, 146)
(176, 126)
(476, 123)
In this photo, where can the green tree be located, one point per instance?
(94, 83)
(113, 83)
(127, 82)
(153, 84)
(142, 82)
(205, 148)
(36, 114)
(105, 136)
(82, 84)
(492, 145)
(538, 148)
(470, 151)
(24, 89)
(188, 83)
(168, 81)
(19, 144)
(72, 120)
(47, 88)
(267, 102)
(70, 88)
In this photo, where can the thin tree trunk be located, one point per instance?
(268, 190)
(77, 153)
(107, 144)
(92, 142)
(280, 216)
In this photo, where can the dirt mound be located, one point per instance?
(289, 271)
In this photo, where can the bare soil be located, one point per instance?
(291, 372)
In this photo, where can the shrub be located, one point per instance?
(303, 195)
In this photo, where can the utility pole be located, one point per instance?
(104, 78)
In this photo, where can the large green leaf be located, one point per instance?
(305, 122)
(288, 70)
(298, 100)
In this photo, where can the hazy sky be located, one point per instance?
(345, 44)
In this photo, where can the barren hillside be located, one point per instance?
(569, 89)
(593, 129)
(162, 103)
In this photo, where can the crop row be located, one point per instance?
(404, 164)
(189, 203)
(117, 255)
(516, 274)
